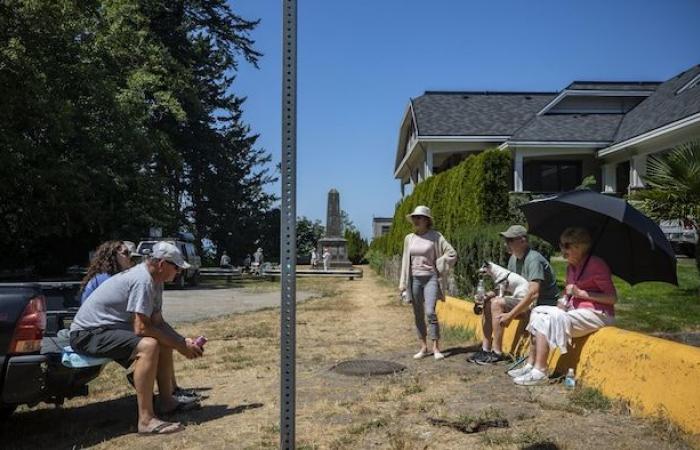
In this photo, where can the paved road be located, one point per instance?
(196, 304)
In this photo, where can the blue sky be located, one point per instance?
(360, 62)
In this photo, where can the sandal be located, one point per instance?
(162, 428)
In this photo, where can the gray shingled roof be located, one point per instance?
(615, 85)
(476, 113)
(570, 127)
(662, 107)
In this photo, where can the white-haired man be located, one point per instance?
(123, 321)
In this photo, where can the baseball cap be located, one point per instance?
(515, 231)
(168, 252)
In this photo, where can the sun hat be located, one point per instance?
(420, 211)
(513, 232)
(168, 252)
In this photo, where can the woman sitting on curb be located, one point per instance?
(591, 298)
(427, 259)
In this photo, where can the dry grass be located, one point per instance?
(350, 319)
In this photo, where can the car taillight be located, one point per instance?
(30, 327)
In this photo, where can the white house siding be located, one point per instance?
(638, 154)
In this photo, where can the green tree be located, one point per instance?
(308, 233)
(118, 116)
(357, 246)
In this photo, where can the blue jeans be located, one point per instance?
(424, 290)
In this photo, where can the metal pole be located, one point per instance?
(288, 230)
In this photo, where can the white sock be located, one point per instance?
(497, 352)
(486, 349)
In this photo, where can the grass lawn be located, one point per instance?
(652, 307)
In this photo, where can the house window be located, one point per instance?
(552, 176)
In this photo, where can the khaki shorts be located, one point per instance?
(511, 302)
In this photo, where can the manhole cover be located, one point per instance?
(368, 367)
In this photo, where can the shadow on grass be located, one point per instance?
(88, 425)
(454, 351)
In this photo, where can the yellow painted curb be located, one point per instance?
(654, 375)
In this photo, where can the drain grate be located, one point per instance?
(368, 367)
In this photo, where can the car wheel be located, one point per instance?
(6, 410)
(194, 281)
(180, 281)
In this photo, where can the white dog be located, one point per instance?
(513, 283)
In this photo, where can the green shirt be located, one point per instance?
(535, 267)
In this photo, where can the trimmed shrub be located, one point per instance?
(471, 204)
(473, 193)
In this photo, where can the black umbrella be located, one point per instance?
(632, 244)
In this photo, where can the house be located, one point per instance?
(381, 226)
(607, 129)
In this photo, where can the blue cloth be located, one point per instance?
(92, 285)
(76, 360)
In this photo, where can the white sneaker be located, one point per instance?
(535, 377)
(515, 373)
(421, 354)
(438, 356)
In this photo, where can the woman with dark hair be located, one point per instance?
(109, 259)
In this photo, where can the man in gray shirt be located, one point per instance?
(542, 290)
(123, 321)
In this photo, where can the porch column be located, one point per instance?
(403, 188)
(518, 171)
(609, 178)
(638, 168)
(428, 164)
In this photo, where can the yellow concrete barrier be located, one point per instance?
(654, 375)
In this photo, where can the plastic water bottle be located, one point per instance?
(480, 291)
(479, 297)
(570, 380)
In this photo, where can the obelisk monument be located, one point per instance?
(333, 240)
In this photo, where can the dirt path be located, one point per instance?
(362, 319)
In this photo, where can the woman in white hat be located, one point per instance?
(427, 259)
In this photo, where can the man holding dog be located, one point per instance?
(499, 312)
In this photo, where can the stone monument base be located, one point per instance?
(338, 248)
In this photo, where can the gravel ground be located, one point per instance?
(195, 304)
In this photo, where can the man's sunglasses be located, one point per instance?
(566, 245)
(174, 265)
(125, 252)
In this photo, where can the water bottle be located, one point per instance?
(479, 297)
(480, 291)
(570, 380)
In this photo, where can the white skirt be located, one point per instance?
(560, 326)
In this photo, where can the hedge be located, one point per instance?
(471, 204)
(473, 193)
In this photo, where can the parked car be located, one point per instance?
(31, 315)
(682, 234)
(184, 242)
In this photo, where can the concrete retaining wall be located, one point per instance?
(654, 375)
